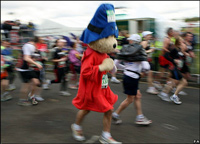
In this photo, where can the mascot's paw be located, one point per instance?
(107, 65)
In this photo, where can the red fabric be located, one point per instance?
(41, 47)
(3, 73)
(90, 95)
(163, 61)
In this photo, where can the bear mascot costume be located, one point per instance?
(94, 94)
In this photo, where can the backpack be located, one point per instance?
(132, 53)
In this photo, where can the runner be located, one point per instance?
(5, 96)
(147, 36)
(167, 43)
(175, 64)
(28, 76)
(43, 50)
(59, 59)
(75, 60)
(37, 57)
(188, 37)
(131, 78)
(94, 93)
(7, 52)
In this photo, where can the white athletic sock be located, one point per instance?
(139, 116)
(113, 78)
(115, 114)
(106, 134)
(77, 127)
(174, 96)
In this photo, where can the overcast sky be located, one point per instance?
(79, 13)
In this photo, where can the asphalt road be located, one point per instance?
(50, 121)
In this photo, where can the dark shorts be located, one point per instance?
(37, 73)
(26, 76)
(165, 66)
(151, 66)
(176, 74)
(130, 85)
(5, 78)
(77, 69)
(185, 69)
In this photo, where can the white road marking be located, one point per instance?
(168, 126)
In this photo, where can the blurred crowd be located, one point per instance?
(65, 53)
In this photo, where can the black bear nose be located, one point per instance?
(114, 46)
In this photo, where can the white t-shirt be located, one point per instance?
(134, 66)
(28, 49)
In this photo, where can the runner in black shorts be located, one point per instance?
(28, 76)
(176, 63)
(59, 58)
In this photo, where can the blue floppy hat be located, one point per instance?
(102, 24)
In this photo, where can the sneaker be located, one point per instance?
(65, 93)
(164, 97)
(6, 97)
(11, 87)
(38, 98)
(73, 87)
(143, 121)
(109, 140)
(114, 80)
(176, 100)
(45, 87)
(157, 85)
(33, 100)
(24, 103)
(152, 90)
(116, 120)
(77, 134)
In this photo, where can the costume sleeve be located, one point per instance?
(89, 70)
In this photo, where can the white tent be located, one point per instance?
(50, 27)
(144, 13)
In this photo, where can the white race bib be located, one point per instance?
(104, 81)
(110, 16)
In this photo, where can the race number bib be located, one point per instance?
(104, 81)
(110, 16)
(61, 64)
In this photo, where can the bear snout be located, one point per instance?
(114, 46)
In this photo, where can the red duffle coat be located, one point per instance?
(91, 96)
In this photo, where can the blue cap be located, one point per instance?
(102, 24)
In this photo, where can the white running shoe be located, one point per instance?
(143, 121)
(109, 140)
(11, 87)
(176, 100)
(157, 85)
(77, 134)
(152, 90)
(164, 97)
(39, 98)
(65, 93)
(45, 87)
(116, 119)
(115, 80)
